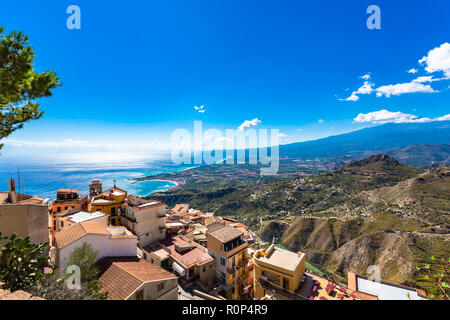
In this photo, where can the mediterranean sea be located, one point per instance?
(44, 178)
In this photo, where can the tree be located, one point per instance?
(22, 263)
(84, 257)
(436, 273)
(54, 287)
(20, 85)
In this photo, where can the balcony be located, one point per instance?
(238, 266)
(230, 246)
(269, 286)
(129, 218)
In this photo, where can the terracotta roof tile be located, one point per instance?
(196, 256)
(77, 231)
(226, 233)
(120, 277)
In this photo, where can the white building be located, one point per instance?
(108, 241)
(145, 218)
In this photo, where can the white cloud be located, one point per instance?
(385, 116)
(402, 88)
(366, 88)
(249, 123)
(438, 59)
(321, 121)
(200, 109)
(282, 135)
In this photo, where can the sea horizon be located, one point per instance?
(44, 177)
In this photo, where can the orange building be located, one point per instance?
(66, 199)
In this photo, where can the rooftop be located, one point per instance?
(139, 203)
(120, 277)
(226, 233)
(22, 199)
(384, 290)
(191, 252)
(67, 191)
(280, 258)
(79, 230)
(181, 208)
(83, 216)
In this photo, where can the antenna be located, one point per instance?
(18, 173)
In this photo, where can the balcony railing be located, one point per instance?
(230, 246)
(129, 218)
(237, 266)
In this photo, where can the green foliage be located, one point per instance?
(22, 263)
(20, 85)
(54, 287)
(84, 257)
(435, 272)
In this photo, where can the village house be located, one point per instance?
(109, 202)
(108, 241)
(131, 278)
(24, 215)
(277, 272)
(145, 218)
(188, 259)
(227, 246)
(66, 199)
(67, 218)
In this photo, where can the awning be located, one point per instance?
(179, 269)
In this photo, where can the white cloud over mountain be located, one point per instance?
(385, 116)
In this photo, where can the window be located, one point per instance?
(204, 269)
(145, 257)
(62, 224)
(65, 208)
(222, 261)
(58, 209)
(160, 286)
(286, 283)
(140, 295)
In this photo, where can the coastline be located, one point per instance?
(173, 188)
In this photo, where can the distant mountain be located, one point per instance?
(378, 138)
(422, 155)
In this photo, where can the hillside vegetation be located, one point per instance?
(375, 211)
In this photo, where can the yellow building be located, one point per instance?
(229, 249)
(278, 273)
(108, 202)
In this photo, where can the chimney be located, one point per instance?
(12, 197)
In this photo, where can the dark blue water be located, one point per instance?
(44, 178)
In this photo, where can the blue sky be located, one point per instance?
(136, 69)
